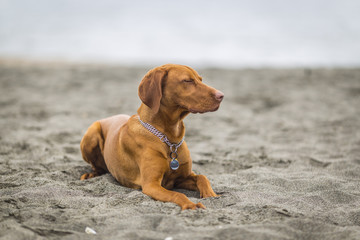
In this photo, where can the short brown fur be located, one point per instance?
(137, 158)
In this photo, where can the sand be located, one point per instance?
(283, 151)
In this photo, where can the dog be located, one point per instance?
(147, 151)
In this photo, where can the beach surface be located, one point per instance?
(283, 151)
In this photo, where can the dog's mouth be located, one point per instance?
(204, 111)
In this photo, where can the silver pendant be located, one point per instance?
(174, 164)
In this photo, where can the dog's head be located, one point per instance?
(178, 86)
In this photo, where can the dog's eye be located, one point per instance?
(188, 80)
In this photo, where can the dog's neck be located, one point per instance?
(167, 120)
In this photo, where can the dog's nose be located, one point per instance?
(219, 96)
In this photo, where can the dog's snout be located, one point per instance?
(219, 96)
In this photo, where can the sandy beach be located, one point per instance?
(283, 151)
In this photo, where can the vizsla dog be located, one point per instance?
(146, 151)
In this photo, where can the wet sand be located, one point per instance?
(283, 151)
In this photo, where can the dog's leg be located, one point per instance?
(197, 183)
(159, 193)
(151, 186)
(92, 145)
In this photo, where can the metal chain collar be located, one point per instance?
(173, 146)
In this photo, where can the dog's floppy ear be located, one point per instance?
(150, 90)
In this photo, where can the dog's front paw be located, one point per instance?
(208, 193)
(192, 206)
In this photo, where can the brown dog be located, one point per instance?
(137, 158)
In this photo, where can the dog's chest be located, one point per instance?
(168, 181)
(171, 177)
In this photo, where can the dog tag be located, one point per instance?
(174, 164)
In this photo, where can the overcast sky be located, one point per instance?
(225, 33)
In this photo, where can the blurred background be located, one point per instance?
(202, 33)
